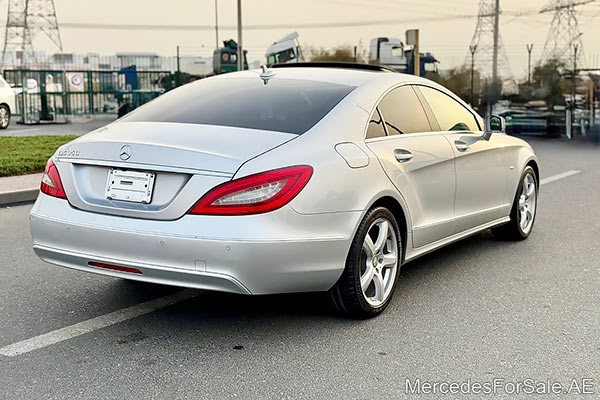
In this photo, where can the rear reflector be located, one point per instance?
(115, 267)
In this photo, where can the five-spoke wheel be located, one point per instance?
(522, 215)
(527, 202)
(379, 262)
(368, 281)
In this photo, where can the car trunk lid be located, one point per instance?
(185, 160)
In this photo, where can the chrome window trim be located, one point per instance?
(457, 100)
(408, 83)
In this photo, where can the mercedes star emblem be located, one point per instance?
(125, 152)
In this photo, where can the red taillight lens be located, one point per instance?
(51, 184)
(255, 194)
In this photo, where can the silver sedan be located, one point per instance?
(302, 178)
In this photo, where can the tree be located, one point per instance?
(337, 54)
(458, 80)
(548, 83)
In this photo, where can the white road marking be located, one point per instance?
(559, 176)
(25, 130)
(81, 328)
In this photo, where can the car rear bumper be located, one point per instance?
(277, 252)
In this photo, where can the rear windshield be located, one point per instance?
(284, 105)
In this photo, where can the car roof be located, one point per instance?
(330, 74)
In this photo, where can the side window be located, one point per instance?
(375, 128)
(450, 114)
(403, 112)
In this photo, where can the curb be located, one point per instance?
(18, 196)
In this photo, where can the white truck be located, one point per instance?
(285, 50)
(388, 51)
(391, 52)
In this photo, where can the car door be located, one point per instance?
(481, 168)
(418, 161)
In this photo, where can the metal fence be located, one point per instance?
(56, 95)
(87, 62)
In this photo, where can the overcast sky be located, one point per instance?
(445, 31)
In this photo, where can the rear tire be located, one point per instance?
(372, 267)
(4, 116)
(524, 209)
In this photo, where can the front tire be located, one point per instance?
(4, 116)
(372, 267)
(524, 209)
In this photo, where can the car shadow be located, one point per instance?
(217, 306)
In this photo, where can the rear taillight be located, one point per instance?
(51, 184)
(255, 194)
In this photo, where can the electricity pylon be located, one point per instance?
(490, 58)
(564, 35)
(25, 20)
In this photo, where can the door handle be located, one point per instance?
(461, 146)
(403, 156)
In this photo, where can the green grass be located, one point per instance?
(27, 154)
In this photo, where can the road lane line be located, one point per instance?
(94, 324)
(559, 176)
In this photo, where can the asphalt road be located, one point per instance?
(479, 309)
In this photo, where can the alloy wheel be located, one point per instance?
(527, 203)
(4, 117)
(379, 262)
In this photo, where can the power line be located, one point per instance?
(311, 25)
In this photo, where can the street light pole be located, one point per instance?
(472, 49)
(573, 83)
(217, 24)
(178, 74)
(529, 49)
(496, 44)
(240, 51)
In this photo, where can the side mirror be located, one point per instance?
(494, 124)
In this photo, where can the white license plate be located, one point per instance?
(134, 186)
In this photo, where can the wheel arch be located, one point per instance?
(533, 164)
(398, 211)
(7, 106)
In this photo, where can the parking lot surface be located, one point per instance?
(75, 127)
(479, 309)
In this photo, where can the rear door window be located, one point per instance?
(375, 128)
(403, 113)
(283, 105)
(450, 114)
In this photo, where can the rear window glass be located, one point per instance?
(284, 105)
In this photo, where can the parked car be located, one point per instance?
(7, 103)
(525, 121)
(304, 177)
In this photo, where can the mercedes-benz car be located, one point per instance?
(297, 178)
